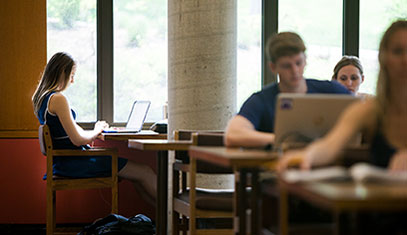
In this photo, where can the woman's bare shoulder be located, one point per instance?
(58, 97)
(58, 102)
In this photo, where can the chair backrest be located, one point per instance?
(41, 139)
(44, 137)
(187, 134)
(208, 138)
(202, 138)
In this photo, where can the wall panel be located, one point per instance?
(22, 58)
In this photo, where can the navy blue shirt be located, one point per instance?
(259, 108)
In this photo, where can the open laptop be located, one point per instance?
(302, 118)
(136, 119)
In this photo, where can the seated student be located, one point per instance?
(384, 117)
(349, 72)
(52, 108)
(253, 126)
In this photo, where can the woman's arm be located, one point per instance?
(357, 117)
(59, 105)
(240, 132)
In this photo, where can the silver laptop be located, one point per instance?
(302, 118)
(136, 119)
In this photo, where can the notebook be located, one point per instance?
(136, 119)
(302, 118)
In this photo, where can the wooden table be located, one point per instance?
(341, 197)
(162, 146)
(246, 162)
(145, 134)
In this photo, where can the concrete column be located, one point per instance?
(202, 38)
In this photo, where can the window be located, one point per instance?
(140, 46)
(371, 31)
(319, 23)
(248, 49)
(71, 27)
(140, 56)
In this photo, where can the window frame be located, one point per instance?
(105, 47)
(104, 64)
(350, 31)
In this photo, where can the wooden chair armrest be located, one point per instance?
(178, 166)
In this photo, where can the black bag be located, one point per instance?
(117, 225)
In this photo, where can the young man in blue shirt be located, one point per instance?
(253, 126)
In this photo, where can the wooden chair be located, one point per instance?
(55, 183)
(190, 204)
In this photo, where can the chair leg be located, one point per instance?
(175, 223)
(115, 197)
(185, 225)
(192, 197)
(51, 207)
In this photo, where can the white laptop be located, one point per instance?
(136, 119)
(302, 118)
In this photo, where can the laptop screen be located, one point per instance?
(305, 117)
(138, 114)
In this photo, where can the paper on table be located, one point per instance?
(320, 174)
(360, 172)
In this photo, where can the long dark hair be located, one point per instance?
(54, 78)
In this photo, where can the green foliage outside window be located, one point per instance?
(71, 28)
(140, 37)
(66, 11)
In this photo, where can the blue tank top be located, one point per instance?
(60, 139)
(381, 151)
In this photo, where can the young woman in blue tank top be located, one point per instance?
(383, 117)
(52, 108)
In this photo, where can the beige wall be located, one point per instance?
(22, 58)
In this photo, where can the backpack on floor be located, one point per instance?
(119, 225)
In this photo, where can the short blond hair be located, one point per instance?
(284, 44)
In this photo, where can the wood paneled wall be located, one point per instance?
(23, 56)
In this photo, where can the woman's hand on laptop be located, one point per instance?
(100, 125)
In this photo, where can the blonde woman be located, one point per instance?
(52, 108)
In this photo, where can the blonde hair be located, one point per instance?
(54, 78)
(383, 86)
(284, 44)
(345, 61)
